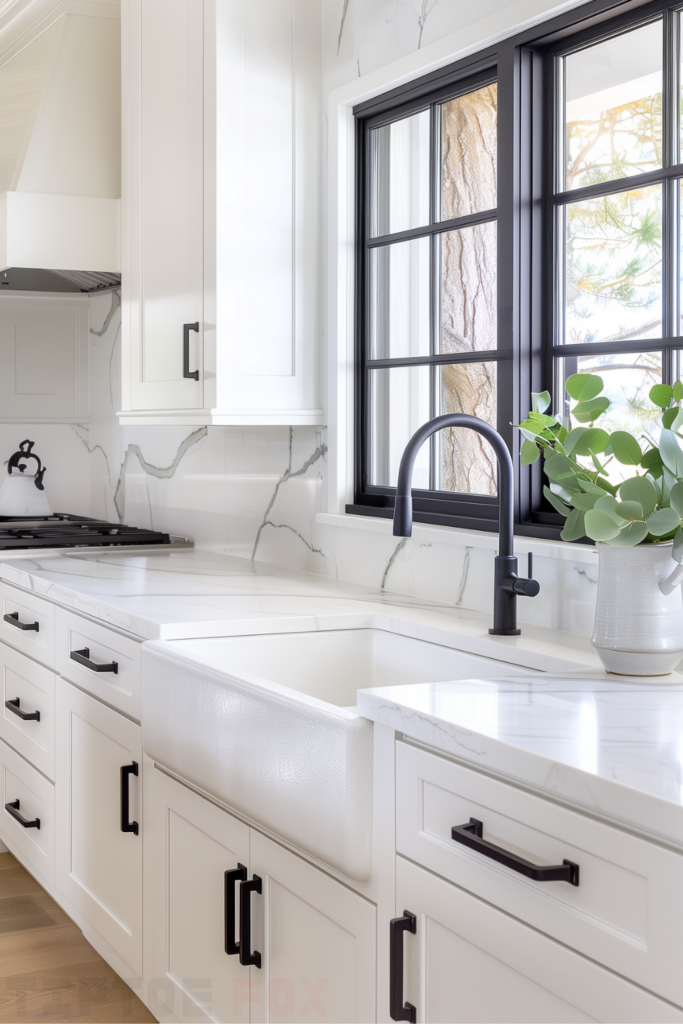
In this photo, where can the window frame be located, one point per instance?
(524, 67)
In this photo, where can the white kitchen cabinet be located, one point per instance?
(316, 938)
(220, 211)
(469, 962)
(98, 865)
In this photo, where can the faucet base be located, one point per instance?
(506, 632)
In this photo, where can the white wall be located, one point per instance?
(254, 491)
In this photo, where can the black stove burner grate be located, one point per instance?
(65, 531)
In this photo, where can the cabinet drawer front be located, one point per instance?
(624, 913)
(34, 847)
(104, 647)
(27, 610)
(467, 961)
(34, 687)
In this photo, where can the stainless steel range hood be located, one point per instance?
(60, 151)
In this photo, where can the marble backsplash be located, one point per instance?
(255, 491)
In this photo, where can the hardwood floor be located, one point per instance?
(48, 971)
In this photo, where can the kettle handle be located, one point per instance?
(668, 585)
(23, 454)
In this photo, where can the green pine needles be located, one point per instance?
(647, 508)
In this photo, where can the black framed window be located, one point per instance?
(518, 220)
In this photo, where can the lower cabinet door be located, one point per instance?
(190, 844)
(98, 864)
(469, 962)
(317, 941)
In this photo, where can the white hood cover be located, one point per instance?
(60, 135)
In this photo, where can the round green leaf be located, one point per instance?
(584, 386)
(575, 527)
(639, 489)
(559, 467)
(572, 439)
(556, 502)
(669, 417)
(625, 447)
(661, 395)
(677, 551)
(652, 462)
(600, 526)
(662, 522)
(676, 498)
(632, 534)
(670, 452)
(586, 412)
(592, 439)
(678, 391)
(608, 504)
(540, 400)
(529, 453)
(630, 510)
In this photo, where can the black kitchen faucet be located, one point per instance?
(507, 584)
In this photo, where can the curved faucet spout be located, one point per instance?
(507, 584)
(403, 511)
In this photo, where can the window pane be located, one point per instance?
(613, 255)
(628, 379)
(469, 153)
(466, 461)
(613, 108)
(399, 403)
(399, 299)
(468, 289)
(400, 175)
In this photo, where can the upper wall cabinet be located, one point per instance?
(220, 211)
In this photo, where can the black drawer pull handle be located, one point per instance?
(13, 619)
(194, 375)
(14, 707)
(13, 809)
(399, 1010)
(247, 958)
(83, 658)
(126, 824)
(471, 836)
(231, 877)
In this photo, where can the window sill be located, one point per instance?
(424, 533)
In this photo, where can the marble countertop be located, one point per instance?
(174, 595)
(611, 746)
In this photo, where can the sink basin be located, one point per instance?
(268, 724)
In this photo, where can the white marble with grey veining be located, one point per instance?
(611, 746)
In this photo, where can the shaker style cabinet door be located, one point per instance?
(317, 941)
(163, 211)
(467, 961)
(98, 842)
(193, 850)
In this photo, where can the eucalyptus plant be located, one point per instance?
(646, 508)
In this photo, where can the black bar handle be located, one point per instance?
(126, 824)
(83, 658)
(231, 877)
(399, 1010)
(247, 958)
(194, 375)
(13, 809)
(13, 619)
(471, 835)
(15, 708)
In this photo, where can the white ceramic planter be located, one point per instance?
(639, 614)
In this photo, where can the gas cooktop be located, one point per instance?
(63, 531)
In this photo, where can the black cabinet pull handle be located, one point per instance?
(470, 835)
(194, 375)
(399, 1010)
(231, 877)
(83, 658)
(126, 824)
(14, 707)
(13, 809)
(247, 958)
(13, 619)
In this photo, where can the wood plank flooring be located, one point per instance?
(48, 970)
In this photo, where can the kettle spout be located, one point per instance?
(668, 585)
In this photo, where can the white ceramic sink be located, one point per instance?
(268, 725)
